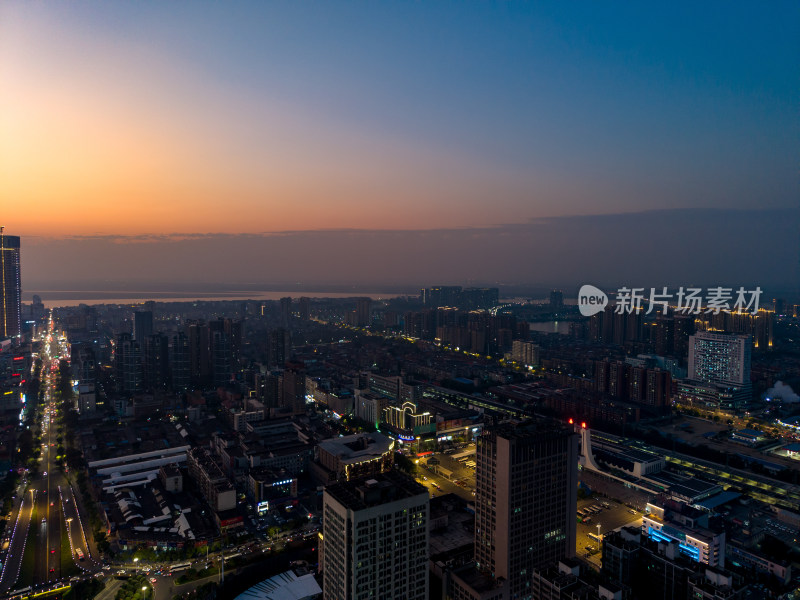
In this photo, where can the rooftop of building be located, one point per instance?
(690, 488)
(625, 450)
(381, 488)
(206, 462)
(717, 500)
(279, 447)
(267, 474)
(355, 448)
(535, 429)
(749, 433)
(285, 586)
(114, 440)
(171, 470)
(476, 579)
(452, 526)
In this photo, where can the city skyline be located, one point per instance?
(409, 301)
(705, 247)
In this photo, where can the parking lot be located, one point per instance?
(444, 475)
(615, 516)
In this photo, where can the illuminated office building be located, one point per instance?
(10, 287)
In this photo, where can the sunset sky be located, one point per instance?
(132, 118)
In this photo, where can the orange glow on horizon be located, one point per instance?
(164, 150)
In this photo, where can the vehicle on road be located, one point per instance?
(21, 592)
(180, 567)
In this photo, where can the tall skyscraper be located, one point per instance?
(127, 364)
(375, 539)
(525, 501)
(155, 361)
(719, 358)
(279, 347)
(286, 310)
(305, 308)
(683, 329)
(220, 358)
(293, 389)
(10, 286)
(225, 338)
(180, 362)
(363, 306)
(142, 325)
(199, 339)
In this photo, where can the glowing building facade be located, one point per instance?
(10, 286)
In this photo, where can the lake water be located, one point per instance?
(54, 298)
(561, 327)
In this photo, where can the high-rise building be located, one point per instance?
(286, 310)
(655, 565)
(375, 539)
(293, 389)
(305, 308)
(142, 325)
(279, 347)
(683, 329)
(719, 358)
(155, 361)
(220, 358)
(479, 298)
(441, 296)
(556, 300)
(225, 343)
(179, 362)
(658, 391)
(719, 371)
(10, 286)
(526, 353)
(525, 501)
(199, 353)
(127, 364)
(363, 311)
(665, 335)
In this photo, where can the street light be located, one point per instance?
(144, 592)
(135, 566)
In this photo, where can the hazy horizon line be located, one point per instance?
(531, 221)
